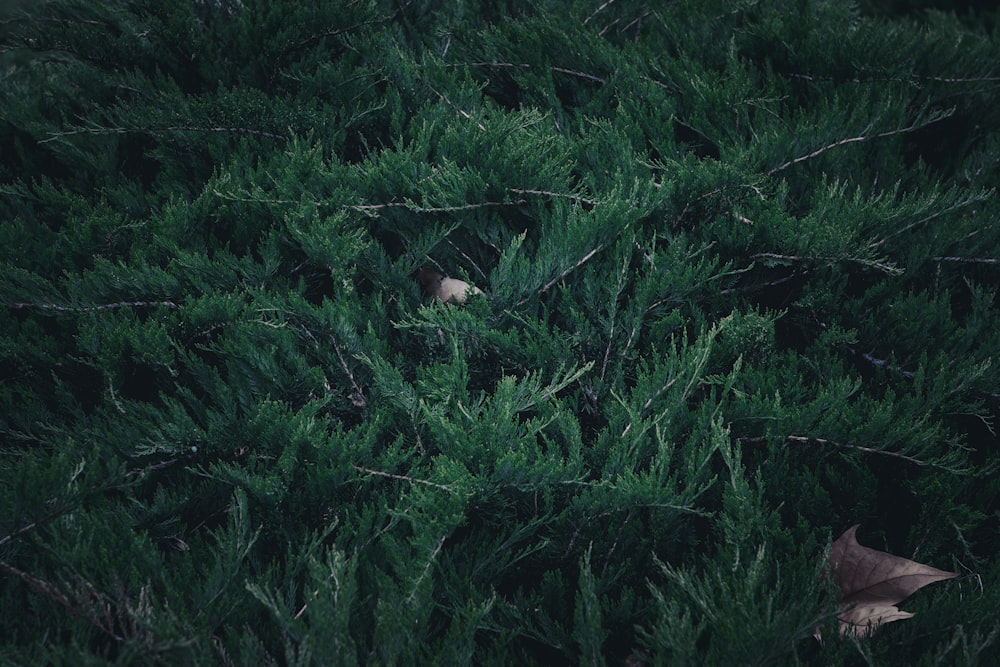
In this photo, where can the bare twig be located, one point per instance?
(860, 448)
(896, 79)
(402, 478)
(583, 260)
(461, 112)
(162, 465)
(468, 259)
(597, 11)
(888, 267)
(609, 26)
(172, 128)
(558, 195)
(358, 396)
(614, 545)
(841, 445)
(912, 225)
(427, 567)
(968, 260)
(415, 208)
(582, 75)
(861, 138)
(561, 70)
(334, 33)
(90, 309)
(759, 286)
(432, 209)
(880, 363)
(47, 590)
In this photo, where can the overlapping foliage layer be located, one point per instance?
(740, 263)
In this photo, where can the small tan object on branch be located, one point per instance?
(445, 289)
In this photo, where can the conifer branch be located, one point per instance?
(414, 207)
(637, 22)
(968, 260)
(337, 32)
(468, 259)
(358, 395)
(917, 223)
(760, 286)
(162, 465)
(410, 206)
(603, 31)
(600, 9)
(553, 68)
(53, 136)
(881, 363)
(50, 591)
(618, 537)
(47, 590)
(801, 439)
(90, 309)
(465, 114)
(909, 78)
(403, 478)
(559, 195)
(582, 75)
(887, 267)
(583, 260)
(916, 125)
(27, 528)
(427, 567)
(867, 450)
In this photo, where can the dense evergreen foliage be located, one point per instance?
(740, 263)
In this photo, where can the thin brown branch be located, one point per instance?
(912, 225)
(496, 63)
(90, 309)
(334, 33)
(47, 590)
(583, 260)
(802, 439)
(895, 79)
(888, 267)
(597, 11)
(162, 465)
(881, 363)
(968, 260)
(468, 259)
(637, 22)
(582, 75)
(608, 27)
(427, 567)
(415, 208)
(432, 209)
(860, 138)
(358, 395)
(402, 478)
(561, 70)
(462, 112)
(558, 195)
(618, 537)
(860, 448)
(172, 128)
(759, 286)
(23, 529)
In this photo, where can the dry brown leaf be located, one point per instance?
(873, 582)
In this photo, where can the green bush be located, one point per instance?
(740, 271)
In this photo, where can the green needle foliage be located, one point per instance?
(739, 263)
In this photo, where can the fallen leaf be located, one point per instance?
(445, 289)
(873, 582)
